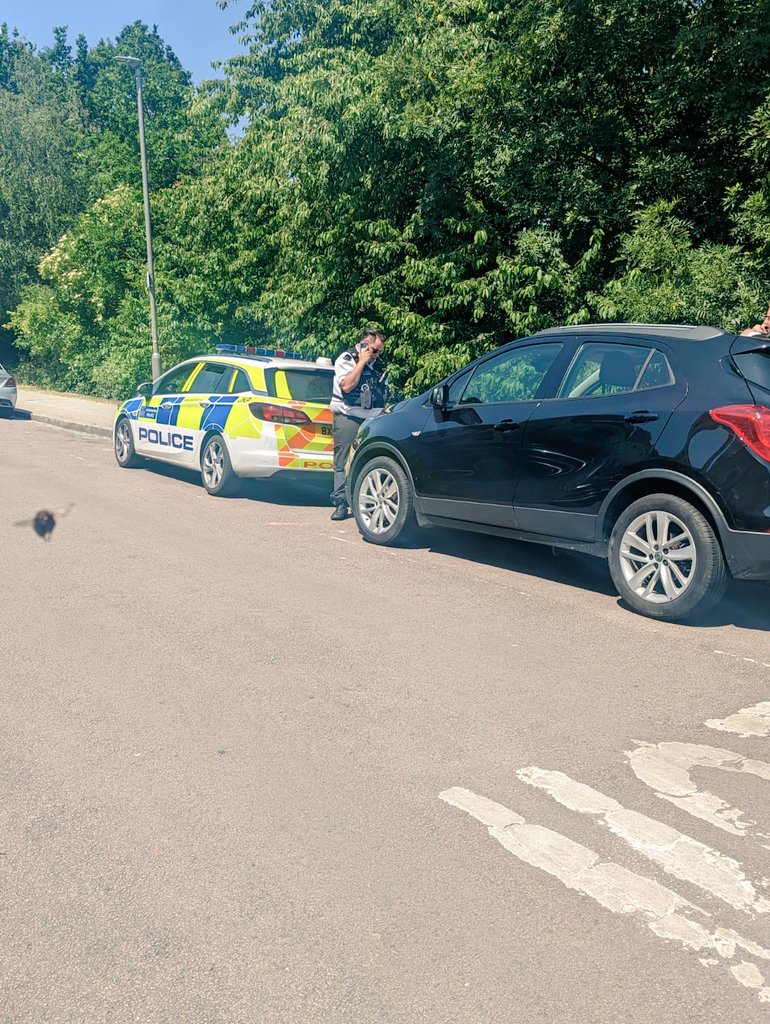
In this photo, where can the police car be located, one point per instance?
(241, 412)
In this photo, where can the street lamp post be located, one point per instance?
(135, 64)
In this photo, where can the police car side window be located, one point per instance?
(212, 379)
(174, 381)
(240, 384)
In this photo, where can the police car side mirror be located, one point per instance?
(145, 390)
(439, 397)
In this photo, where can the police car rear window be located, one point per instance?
(304, 385)
(755, 367)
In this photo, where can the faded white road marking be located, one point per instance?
(748, 974)
(753, 721)
(611, 885)
(740, 657)
(678, 854)
(666, 767)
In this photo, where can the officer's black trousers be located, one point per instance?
(345, 430)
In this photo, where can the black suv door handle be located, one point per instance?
(505, 425)
(641, 417)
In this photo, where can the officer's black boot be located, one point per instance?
(340, 512)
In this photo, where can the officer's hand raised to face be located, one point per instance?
(368, 353)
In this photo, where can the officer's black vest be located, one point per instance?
(367, 381)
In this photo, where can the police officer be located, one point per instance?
(762, 329)
(360, 392)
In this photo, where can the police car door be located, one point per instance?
(156, 432)
(206, 404)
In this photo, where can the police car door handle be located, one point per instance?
(505, 425)
(204, 405)
(166, 405)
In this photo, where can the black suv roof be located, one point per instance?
(672, 332)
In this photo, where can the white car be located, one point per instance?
(7, 393)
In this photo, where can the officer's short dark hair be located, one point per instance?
(372, 334)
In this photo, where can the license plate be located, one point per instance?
(327, 430)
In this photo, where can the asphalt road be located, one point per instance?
(225, 728)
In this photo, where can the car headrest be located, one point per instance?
(617, 371)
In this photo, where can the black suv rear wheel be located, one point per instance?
(665, 558)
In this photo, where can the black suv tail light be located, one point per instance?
(278, 414)
(750, 422)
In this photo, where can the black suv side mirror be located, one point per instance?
(439, 397)
(145, 389)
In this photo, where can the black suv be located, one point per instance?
(648, 445)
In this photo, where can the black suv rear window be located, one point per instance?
(755, 367)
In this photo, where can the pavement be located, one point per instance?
(73, 412)
(256, 771)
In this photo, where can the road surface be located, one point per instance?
(256, 771)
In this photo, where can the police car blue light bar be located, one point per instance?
(252, 350)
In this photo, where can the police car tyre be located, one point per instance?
(219, 477)
(124, 445)
(665, 559)
(383, 503)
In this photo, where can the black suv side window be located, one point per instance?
(457, 387)
(657, 373)
(606, 368)
(513, 376)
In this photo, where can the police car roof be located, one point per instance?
(272, 361)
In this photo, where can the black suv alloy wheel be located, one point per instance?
(665, 559)
(383, 503)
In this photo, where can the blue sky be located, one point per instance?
(197, 30)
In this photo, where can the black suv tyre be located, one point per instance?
(125, 454)
(383, 503)
(665, 559)
(217, 473)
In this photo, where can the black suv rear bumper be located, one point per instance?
(747, 554)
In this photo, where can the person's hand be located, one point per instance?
(368, 355)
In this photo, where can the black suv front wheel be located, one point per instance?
(665, 558)
(383, 502)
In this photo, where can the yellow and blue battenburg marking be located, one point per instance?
(282, 421)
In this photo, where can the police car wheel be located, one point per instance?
(124, 445)
(383, 503)
(219, 477)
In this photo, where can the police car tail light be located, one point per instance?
(9, 382)
(750, 422)
(278, 414)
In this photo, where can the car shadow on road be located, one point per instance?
(571, 568)
(281, 490)
(745, 605)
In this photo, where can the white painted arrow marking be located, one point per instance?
(612, 886)
(678, 854)
(666, 767)
(753, 721)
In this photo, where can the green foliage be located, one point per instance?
(458, 171)
(69, 136)
(667, 279)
